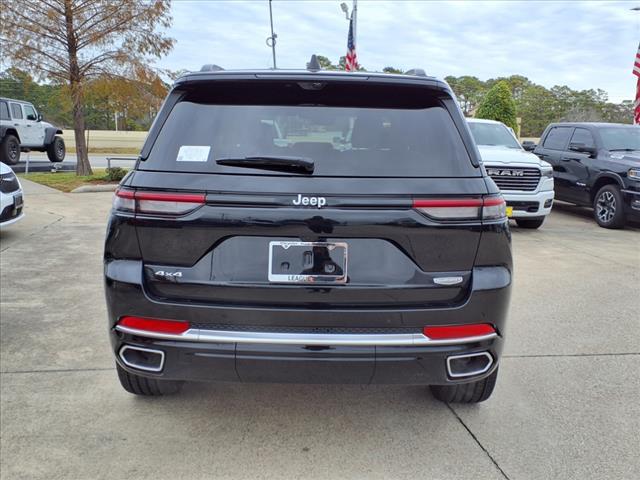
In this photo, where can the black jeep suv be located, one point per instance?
(312, 227)
(596, 165)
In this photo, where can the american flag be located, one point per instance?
(351, 63)
(636, 71)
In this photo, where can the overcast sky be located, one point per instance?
(579, 44)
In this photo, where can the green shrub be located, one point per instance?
(115, 174)
(498, 104)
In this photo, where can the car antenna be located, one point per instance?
(314, 64)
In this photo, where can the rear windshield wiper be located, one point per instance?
(266, 162)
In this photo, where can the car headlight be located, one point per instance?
(547, 172)
(634, 173)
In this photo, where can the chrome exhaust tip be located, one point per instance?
(468, 365)
(140, 358)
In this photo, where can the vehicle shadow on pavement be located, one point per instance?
(585, 213)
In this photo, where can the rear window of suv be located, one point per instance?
(366, 132)
(4, 111)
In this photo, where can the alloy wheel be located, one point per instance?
(13, 150)
(606, 207)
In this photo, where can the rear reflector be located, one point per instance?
(157, 203)
(448, 332)
(488, 208)
(154, 325)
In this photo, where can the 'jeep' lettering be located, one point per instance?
(313, 201)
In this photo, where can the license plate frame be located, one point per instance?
(324, 255)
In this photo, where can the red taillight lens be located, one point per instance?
(453, 209)
(154, 325)
(488, 208)
(449, 332)
(157, 203)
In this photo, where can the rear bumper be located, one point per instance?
(231, 344)
(238, 362)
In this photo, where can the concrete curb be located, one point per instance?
(95, 188)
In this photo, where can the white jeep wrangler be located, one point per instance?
(22, 129)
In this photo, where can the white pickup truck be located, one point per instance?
(22, 129)
(526, 182)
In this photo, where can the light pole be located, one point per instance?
(345, 9)
(351, 42)
(271, 41)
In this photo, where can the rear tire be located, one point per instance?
(473, 392)
(534, 222)
(56, 150)
(10, 150)
(139, 385)
(608, 207)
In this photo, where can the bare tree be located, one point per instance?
(71, 41)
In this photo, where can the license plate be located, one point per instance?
(17, 201)
(308, 262)
(509, 212)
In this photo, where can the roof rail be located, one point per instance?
(210, 67)
(314, 64)
(416, 71)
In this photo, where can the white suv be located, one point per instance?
(11, 197)
(22, 129)
(526, 182)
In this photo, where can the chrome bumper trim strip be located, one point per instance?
(375, 339)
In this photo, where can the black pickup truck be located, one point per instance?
(596, 165)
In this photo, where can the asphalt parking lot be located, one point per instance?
(566, 404)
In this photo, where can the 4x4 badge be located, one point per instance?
(313, 201)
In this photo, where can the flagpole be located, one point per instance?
(636, 71)
(271, 41)
(351, 59)
(354, 15)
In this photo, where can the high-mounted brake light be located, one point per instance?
(449, 332)
(157, 203)
(154, 325)
(488, 208)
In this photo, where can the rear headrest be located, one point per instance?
(265, 135)
(367, 132)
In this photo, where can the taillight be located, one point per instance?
(494, 208)
(156, 203)
(154, 325)
(450, 332)
(488, 208)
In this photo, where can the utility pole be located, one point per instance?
(271, 41)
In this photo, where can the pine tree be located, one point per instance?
(498, 104)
